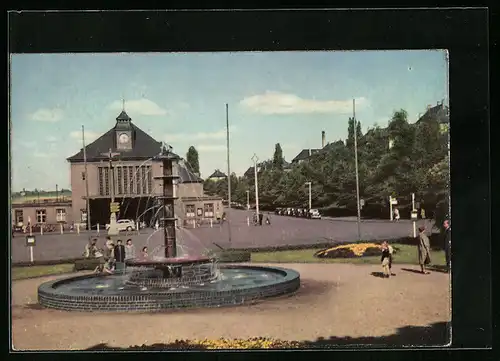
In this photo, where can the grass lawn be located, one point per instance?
(19, 273)
(405, 254)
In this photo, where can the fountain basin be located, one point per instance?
(163, 272)
(236, 285)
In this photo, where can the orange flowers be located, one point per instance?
(358, 249)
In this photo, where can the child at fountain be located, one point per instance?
(144, 252)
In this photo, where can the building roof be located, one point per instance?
(144, 147)
(186, 175)
(439, 112)
(304, 154)
(217, 174)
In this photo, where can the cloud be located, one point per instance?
(38, 154)
(47, 115)
(51, 139)
(89, 136)
(184, 105)
(210, 147)
(280, 103)
(220, 134)
(140, 106)
(27, 144)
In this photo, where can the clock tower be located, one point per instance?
(123, 132)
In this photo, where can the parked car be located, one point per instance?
(124, 225)
(314, 214)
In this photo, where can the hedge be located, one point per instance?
(230, 256)
(52, 262)
(436, 240)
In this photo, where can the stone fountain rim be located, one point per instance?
(152, 301)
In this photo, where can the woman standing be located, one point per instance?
(424, 250)
(129, 250)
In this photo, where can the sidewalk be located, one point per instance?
(335, 300)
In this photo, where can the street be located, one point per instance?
(282, 231)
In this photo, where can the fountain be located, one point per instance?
(169, 281)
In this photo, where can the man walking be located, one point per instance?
(119, 256)
(447, 242)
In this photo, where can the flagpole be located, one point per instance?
(356, 167)
(228, 173)
(86, 179)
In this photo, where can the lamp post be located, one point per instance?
(310, 198)
(255, 159)
(112, 218)
(248, 199)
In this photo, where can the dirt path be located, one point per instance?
(339, 300)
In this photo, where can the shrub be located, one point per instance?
(87, 264)
(230, 256)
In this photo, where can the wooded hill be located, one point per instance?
(398, 160)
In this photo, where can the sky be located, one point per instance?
(180, 98)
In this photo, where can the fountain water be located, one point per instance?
(169, 281)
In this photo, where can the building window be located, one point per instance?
(18, 216)
(106, 182)
(61, 215)
(209, 210)
(144, 180)
(190, 210)
(119, 176)
(150, 180)
(137, 180)
(125, 180)
(131, 179)
(41, 215)
(101, 181)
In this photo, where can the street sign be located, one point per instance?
(394, 201)
(414, 214)
(30, 241)
(114, 207)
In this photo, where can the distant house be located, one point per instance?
(304, 154)
(440, 112)
(287, 166)
(216, 176)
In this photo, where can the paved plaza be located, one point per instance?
(282, 231)
(342, 303)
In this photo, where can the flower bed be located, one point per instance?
(350, 250)
(218, 344)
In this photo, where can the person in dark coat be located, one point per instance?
(447, 242)
(119, 255)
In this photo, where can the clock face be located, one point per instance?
(123, 138)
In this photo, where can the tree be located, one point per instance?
(416, 163)
(359, 133)
(192, 160)
(278, 157)
(350, 133)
